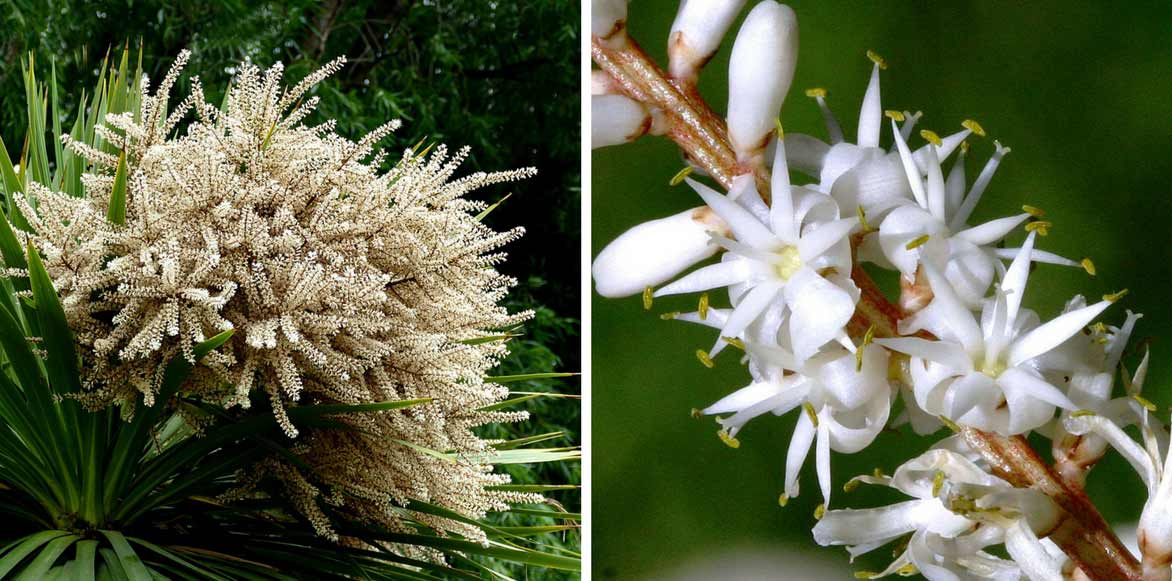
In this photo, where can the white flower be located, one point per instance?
(759, 74)
(987, 374)
(846, 401)
(696, 33)
(959, 509)
(616, 119)
(788, 258)
(656, 251)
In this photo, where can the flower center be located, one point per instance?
(788, 262)
(994, 368)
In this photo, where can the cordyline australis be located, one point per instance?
(262, 352)
(817, 334)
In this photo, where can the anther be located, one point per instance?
(680, 175)
(1033, 211)
(896, 115)
(816, 92)
(931, 137)
(974, 127)
(1115, 296)
(813, 415)
(705, 360)
(878, 60)
(728, 440)
(1042, 227)
(1088, 266)
(702, 309)
(917, 242)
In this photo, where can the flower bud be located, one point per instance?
(656, 251)
(608, 20)
(760, 71)
(616, 119)
(699, 27)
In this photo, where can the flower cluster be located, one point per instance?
(958, 347)
(345, 284)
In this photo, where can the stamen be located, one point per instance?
(1143, 401)
(937, 482)
(1033, 211)
(931, 137)
(949, 423)
(893, 114)
(811, 413)
(851, 485)
(697, 414)
(1042, 227)
(917, 242)
(702, 355)
(728, 440)
(819, 511)
(669, 316)
(878, 473)
(703, 307)
(964, 147)
(648, 298)
(783, 500)
(878, 60)
(1088, 266)
(832, 126)
(777, 127)
(1099, 327)
(868, 337)
(974, 127)
(1115, 296)
(734, 342)
(816, 92)
(1082, 413)
(680, 175)
(907, 570)
(866, 575)
(867, 228)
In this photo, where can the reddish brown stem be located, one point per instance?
(702, 136)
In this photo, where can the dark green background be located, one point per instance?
(1080, 91)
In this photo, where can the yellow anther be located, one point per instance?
(702, 309)
(851, 485)
(669, 316)
(896, 115)
(866, 575)
(948, 423)
(1099, 327)
(917, 242)
(974, 127)
(648, 298)
(1042, 227)
(867, 229)
(680, 175)
(783, 500)
(1033, 211)
(777, 127)
(931, 137)
(964, 147)
(702, 355)
(819, 511)
(937, 482)
(816, 92)
(734, 342)
(813, 415)
(1088, 266)
(1147, 403)
(878, 473)
(1115, 296)
(728, 440)
(878, 60)
(868, 338)
(907, 570)
(1082, 413)
(697, 414)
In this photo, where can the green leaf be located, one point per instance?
(532, 487)
(526, 377)
(130, 561)
(496, 550)
(86, 551)
(556, 515)
(529, 456)
(113, 567)
(116, 212)
(14, 556)
(40, 566)
(481, 216)
(58, 338)
(309, 411)
(518, 442)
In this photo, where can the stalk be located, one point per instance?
(1083, 535)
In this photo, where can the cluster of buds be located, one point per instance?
(818, 338)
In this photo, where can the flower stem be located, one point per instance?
(1084, 535)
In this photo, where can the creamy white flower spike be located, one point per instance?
(656, 251)
(791, 258)
(988, 373)
(846, 400)
(759, 74)
(696, 33)
(959, 510)
(608, 21)
(616, 119)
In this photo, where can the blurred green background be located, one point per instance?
(501, 77)
(1080, 91)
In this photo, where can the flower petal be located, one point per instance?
(993, 230)
(819, 309)
(1053, 333)
(655, 251)
(718, 275)
(945, 353)
(795, 456)
(867, 526)
(745, 226)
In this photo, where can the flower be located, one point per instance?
(696, 33)
(846, 399)
(988, 374)
(958, 511)
(787, 259)
(617, 119)
(656, 251)
(760, 71)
